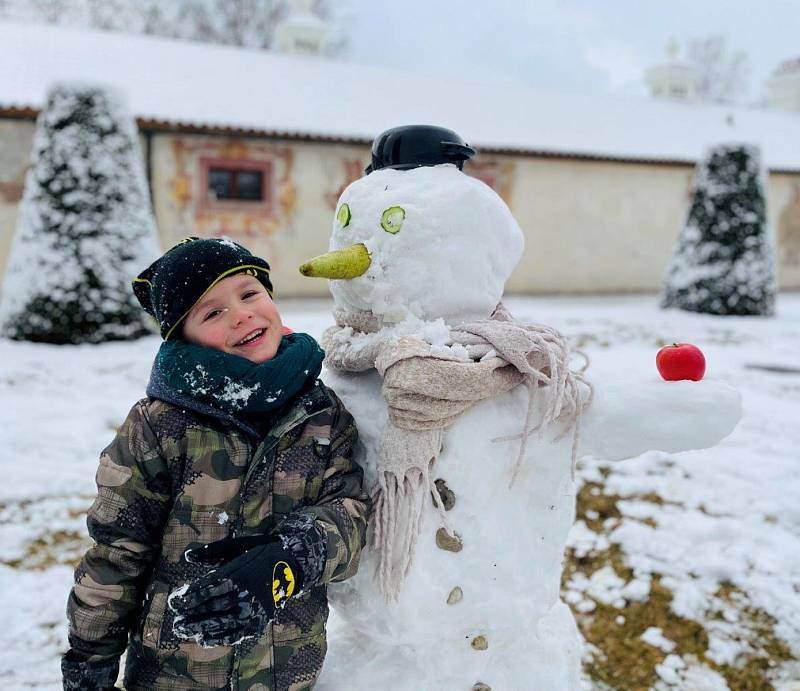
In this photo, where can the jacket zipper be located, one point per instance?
(265, 447)
(261, 454)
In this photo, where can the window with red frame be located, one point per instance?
(232, 184)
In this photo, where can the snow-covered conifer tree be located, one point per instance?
(725, 260)
(85, 226)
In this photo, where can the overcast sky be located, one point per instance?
(574, 45)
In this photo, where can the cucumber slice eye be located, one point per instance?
(343, 215)
(392, 219)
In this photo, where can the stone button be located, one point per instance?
(447, 543)
(480, 686)
(455, 596)
(479, 643)
(447, 495)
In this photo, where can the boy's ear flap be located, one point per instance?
(142, 284)
(142, 289)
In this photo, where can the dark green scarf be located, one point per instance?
(235, 384)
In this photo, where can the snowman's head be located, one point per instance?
(431, 241)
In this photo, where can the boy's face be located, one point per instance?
(236, 316)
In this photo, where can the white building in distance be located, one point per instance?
(673, 78)
(783, 87)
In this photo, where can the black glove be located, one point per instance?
(238, 599)
(222, 551)
(79, 675)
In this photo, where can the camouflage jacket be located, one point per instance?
(174, 479)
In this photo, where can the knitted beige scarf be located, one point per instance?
(427, 387)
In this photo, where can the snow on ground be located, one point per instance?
(725, 518)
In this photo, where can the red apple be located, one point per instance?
(681, 361)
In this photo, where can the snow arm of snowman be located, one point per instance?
(628, 418)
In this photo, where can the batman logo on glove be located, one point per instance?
(283, 583)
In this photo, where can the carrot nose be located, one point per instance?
(345, 263)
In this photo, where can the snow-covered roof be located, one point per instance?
(194, 85)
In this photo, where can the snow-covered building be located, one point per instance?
(302, 32)
(672, 78)
(259, 146)
(783, 87)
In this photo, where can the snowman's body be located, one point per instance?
(488, 613)
(507, 571)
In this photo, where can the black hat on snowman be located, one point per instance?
(413, 146)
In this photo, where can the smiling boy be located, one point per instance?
(227, 500)
(238, 317)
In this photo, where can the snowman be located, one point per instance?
(470, 422)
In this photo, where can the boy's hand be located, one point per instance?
(80, 675)
(238, 599)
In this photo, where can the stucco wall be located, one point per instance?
(16, 141)
(596, 226)
(605, 226)
(784, 212)
(590, 226)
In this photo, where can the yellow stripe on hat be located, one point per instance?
(236, 269)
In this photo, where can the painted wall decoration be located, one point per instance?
(789, 231)
(11, 190)
(15, 154)
(496, 173)
(499, 175)
(233, 187)
(348, 170)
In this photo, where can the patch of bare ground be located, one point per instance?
(51, 549)
(619, 659)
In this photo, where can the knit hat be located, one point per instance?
(172, 285)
